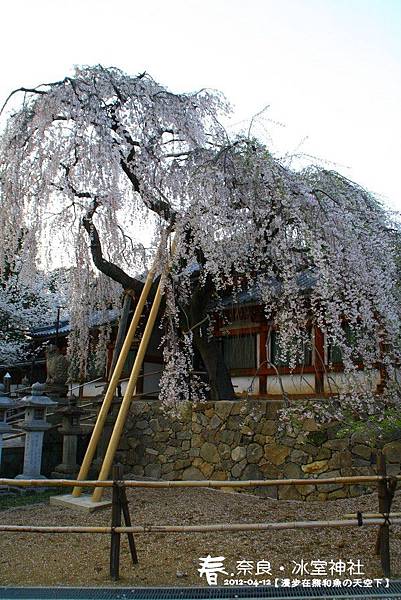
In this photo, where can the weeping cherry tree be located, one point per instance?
(85, 159)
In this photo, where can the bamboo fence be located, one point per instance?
(212, 483)
(386, 488)
(223, 527)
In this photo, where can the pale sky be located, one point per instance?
(328, 69)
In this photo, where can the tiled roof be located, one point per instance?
(95, 320)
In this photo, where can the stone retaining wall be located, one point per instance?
(240, 440)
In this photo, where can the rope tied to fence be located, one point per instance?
(386, 517)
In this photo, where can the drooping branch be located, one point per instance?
(104, 265)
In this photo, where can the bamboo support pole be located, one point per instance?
(114, 380)
(223, 527)
(184, 484)
(126, 402)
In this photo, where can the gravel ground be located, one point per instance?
(173, 559)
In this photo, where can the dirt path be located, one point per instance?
(173, 559)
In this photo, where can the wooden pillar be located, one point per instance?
(262, 360)
(319, 361)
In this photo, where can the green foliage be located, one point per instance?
(317, 438)
(384, 427)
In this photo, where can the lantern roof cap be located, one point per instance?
(37, 397)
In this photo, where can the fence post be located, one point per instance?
(383, 535)
(127, 519)
(115, 522)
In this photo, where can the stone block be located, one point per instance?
(226, 436)
(215, 422)
(292, 471)
(238, 469)
(154, 425)
(177, 426)
(260, 439)
(137, 470)
(254, 453)
(247, 431)
(393, 469)
(151, 451)
(330, 487)
(363, 437)
(224, 451)
(392, 452)
(337, 494)
(336, 444)
(207, 469)
(340, 459)
(219, 475)
(200, 419)
(181, 463)
(133, 442)
(298, 456)
(252, 472)
(328, 474)
(153, 470)
(269, 427)
(288, 492)
(162, 436)
(276, 454)
(196, 427)
(192, 474)
(209, 453)
(305, 490)
(197, 441)
(323, 453)
(363, 451)
(194, 452)
(236, 408)
(223, 409)
(318, 466)
(309, 449)
(167, 468)
(233, 423)
(269, 471)
(360, 462)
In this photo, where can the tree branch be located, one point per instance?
(104, 265)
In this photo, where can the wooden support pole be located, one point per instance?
(115, 522)
(108, 398)
(126, 402)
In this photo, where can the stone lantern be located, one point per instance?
(5, 404)
(7, 383)
(35, 425)
(70, 430)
